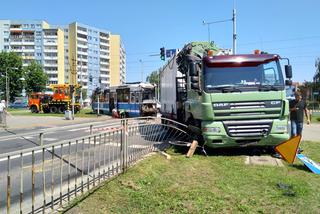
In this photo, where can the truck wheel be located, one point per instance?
(53, 109)
(62, 109)
(46, 110)
(34, 109)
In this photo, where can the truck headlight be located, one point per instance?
(281, 128)
(211, 129)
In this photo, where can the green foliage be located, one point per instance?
(12, 63)
(213, 184)
(153, 77)
(35, 78)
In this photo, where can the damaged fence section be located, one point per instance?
(45, 178)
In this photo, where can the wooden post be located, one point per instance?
(192, 149)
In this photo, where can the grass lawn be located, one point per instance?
(214, 184)
(87, 112)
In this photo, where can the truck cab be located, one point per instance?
(238, 100)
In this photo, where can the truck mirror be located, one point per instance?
(288, 82)
(193, 69)
(288, 70)
(194, 79)
(195, 86)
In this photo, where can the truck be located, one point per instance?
(227, 100)
(58, 101)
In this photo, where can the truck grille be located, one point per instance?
(248, 128)
(247, 110)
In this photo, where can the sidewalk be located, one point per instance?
(311, 132)
(31, 122)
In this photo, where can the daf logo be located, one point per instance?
(277, 102)
(219, 105)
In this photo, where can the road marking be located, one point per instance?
(49, 139)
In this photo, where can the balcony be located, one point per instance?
(83, 53)
(55, 65)
(51, 57)
(104, 63)
(50, 36)
(51, 72)
(104, 75)
(55, 43)
(82, 39)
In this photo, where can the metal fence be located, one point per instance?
(46, 178)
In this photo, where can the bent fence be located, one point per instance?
(46, 178)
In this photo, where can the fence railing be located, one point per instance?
(48, 177)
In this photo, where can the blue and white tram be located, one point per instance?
(130, 100)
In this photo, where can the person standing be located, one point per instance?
(298, 108)
(2, 111)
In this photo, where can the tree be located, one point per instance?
(11, 63)
(153, 77)
(35, 78)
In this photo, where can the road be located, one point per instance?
(18, 139)
(73, 164)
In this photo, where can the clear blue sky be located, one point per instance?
(287, 27)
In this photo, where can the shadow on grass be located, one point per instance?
(300, 167)
(233, 151)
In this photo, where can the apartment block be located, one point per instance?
(35, 40)
(117, 61)
(89, 51)
(73, 53)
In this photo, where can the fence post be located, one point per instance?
(123, 145)
(91, 129)
(41, 139)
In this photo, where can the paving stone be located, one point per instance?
(263, 160)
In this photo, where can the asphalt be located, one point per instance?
(33, 122)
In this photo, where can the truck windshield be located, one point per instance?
(263, 77)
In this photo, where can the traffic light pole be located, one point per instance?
(73, 106)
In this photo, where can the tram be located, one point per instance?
(129, 100)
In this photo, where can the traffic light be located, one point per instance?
(162, 54)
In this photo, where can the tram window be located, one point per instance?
(66, 92)
(132, 98)
(146, 95)
(126, 97)
(107, 96)
(137, 97)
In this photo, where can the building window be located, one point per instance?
(6, 47)
(32, 26)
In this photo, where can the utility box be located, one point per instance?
(68, 115)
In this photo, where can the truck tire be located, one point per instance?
(46, 110)
(53, 109)
(61, 109)
(34, 109)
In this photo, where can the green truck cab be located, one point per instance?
(228, 100)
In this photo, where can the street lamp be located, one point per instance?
(233, 19)
(141, 69)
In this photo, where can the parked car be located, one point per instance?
(18, 104)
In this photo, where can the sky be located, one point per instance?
(289, 28)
